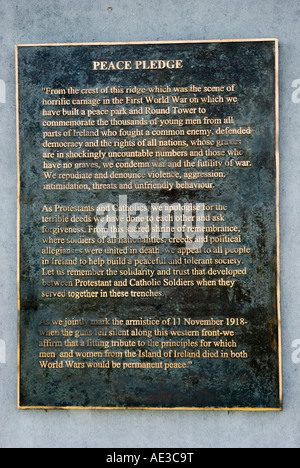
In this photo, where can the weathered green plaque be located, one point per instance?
(148, 225)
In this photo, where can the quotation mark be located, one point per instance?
(296, 93)
(2, 352)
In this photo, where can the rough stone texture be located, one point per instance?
(23, 21)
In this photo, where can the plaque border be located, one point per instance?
(277, 164)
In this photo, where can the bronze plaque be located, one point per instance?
(149, 225)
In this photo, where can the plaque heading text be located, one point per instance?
(138, 65)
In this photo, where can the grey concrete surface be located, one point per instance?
(49, 21)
